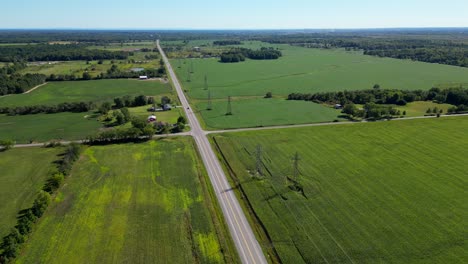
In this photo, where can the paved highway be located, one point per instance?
(244, 239)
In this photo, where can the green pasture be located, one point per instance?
(85, 91)
(383, 192)
(255, 112)
(420, 108)
(311, 70)
(135, 203)
(23, 172)
(45, 127)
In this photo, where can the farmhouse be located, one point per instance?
(144, 77)
(196, 48)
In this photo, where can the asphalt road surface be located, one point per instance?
(244, 239)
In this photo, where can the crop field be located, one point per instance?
(138, 203)
(45, 127)
(21, 177)
(383, 192)
(309, 71)
(254, 112)
(86, 91)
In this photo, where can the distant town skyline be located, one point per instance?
(241, 14)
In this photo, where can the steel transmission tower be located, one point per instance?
(296, 160)
(258, 157)
(229, 108)
(209, 106)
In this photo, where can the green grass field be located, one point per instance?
(23, 172)
(384, 192)
(45, 127)
(165, 116)
(312, 70)
(77, 68)
(96, 91)
(420, 108)
(132, 203)
(255, 112)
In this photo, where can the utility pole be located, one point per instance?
(209, 106)
(229, 108)
(191, 65)
(258, 156)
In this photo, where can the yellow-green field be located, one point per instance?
(132, 203)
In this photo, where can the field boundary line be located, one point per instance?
(34, 88)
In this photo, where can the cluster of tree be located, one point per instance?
(74, 107)
(371, 111)
(239, 54)
(16, 83)
(140, 130)
(121, 116)
(444, 47)
(12, 242)
(12, 68)
(232, 57)
(460, 109)
(455, 96)
(128, 101)
(6, 144)
(56, 52)
(226, 42)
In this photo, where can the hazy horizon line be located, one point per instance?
(234, 29)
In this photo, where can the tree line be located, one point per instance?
(226, 42)
(74, 107)
(443, 48)
(11, 243)
(455, 96)
(79, 107)
(239, 54)
(56, 52)
(17, 83)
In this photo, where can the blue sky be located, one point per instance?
(233, 14)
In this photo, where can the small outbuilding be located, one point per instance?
(167, 107)
(151, 118)
(143, 77)
(338, 106)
